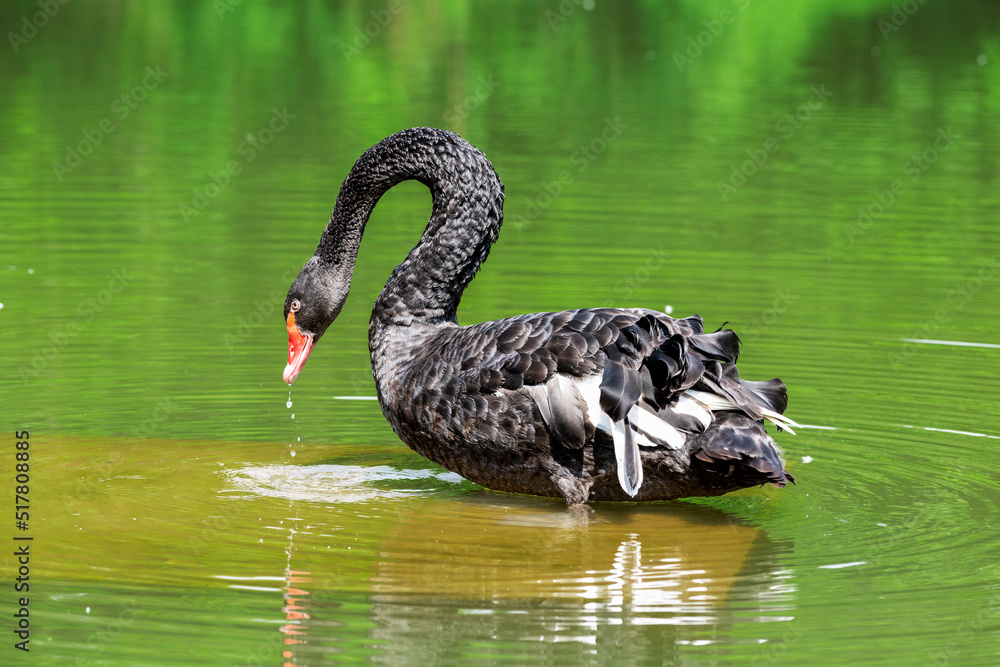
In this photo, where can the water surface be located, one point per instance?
(825, 184)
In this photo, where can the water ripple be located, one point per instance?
(332, 483)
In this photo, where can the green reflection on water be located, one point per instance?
(141, 284)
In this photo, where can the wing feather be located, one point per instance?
(628, 457)
(645, 378)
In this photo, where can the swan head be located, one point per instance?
(313, 302)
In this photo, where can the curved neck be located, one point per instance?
(466, 217)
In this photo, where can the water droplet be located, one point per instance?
(30, 271)
(88, 610)
(298, 439)
(981, 59)
(1, 306)
(288, 404)
(293, 415)
(292, 452)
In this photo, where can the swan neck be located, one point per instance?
(465, 220)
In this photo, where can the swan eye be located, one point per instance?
(296, 305)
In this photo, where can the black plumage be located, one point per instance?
(530, 404)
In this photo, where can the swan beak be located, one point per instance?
(299, 347)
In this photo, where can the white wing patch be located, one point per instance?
(780, 420)
(687, 405)
(627, 455)
(655, 429)
(589, 387)
(642, 427)
(715, 403)
(651, 431)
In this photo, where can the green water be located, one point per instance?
(824, 176)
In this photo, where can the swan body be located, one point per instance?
(591, 404)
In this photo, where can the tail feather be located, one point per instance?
(686, 414)
(678, 387)
(737, 451)
(723, 345)
(771, 394)
(657, 431)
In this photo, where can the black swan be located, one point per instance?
(593, 404)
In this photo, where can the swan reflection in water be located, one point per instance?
(663, 575)
(451, 574)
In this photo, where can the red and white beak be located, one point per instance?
(299, 347)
